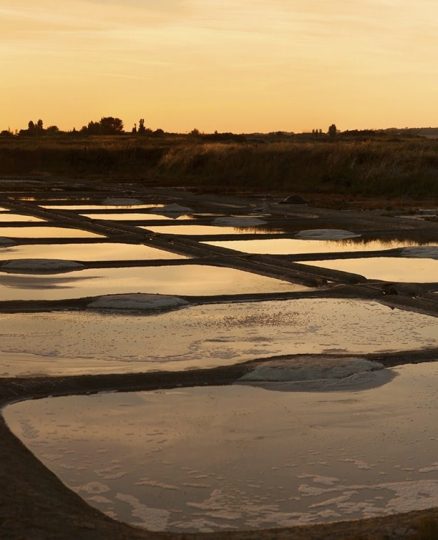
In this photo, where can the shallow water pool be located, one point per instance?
(68, 343)
(290, 246)
(8, 216)
(87, 252)
(175, 280)
(198, 230)
(224, 458)
(400, 269)
(135, 216)
(86, 207)
(46, 232)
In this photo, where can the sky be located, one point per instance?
(226, 65)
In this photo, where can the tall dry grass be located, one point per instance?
(390, 168)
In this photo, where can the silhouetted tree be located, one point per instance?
(106, 126)
(195, 132)
(332, 131)
(141, 128)
(134, 129)
(111, 126)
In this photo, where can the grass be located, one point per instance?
(427, 530)
(400, 168)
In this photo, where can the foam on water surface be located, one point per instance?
(224, 458)
(205, 336)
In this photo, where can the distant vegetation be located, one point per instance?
(110, 125)
(372, 163)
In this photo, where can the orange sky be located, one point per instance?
(226, 65)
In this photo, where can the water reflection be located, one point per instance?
(131, 216)
(174, 280)
(86, 207)
(178, 460)
(18, 217)
(87, 252)
(46, 232)
(204, 336)
(290, 246)
(400, 269)
(208, 229)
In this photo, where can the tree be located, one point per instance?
(106, 126)
(141, 128)
(332, 131)
(31, 129)
(111, 126)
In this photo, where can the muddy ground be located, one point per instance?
(34, 504)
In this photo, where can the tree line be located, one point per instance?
(107, 125)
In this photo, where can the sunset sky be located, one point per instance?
(226, 65)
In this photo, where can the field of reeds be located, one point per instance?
(399, 168)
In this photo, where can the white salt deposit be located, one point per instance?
(137, 302)
(316, 373)
(6, 241)
(326, 234)
(239, 221)
(40, 266)
(421, 252)
(175, 208)
(114, 201)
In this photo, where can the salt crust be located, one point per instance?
(239, 221)
(321, 373)
(6, 241)
(41, 265)
(426, 252)
(122, 201)
(137, 302)
(174, 209)
(326, 234)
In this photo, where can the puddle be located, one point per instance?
(174, 280)
(400, 269)
(86, 207)
(18, 217)
(68, 343)
(227, 458)
(131, 216)
(46, 232)
(87, 252)
(289, 246)
(209, 229)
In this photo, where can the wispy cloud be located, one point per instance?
(317, 50)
